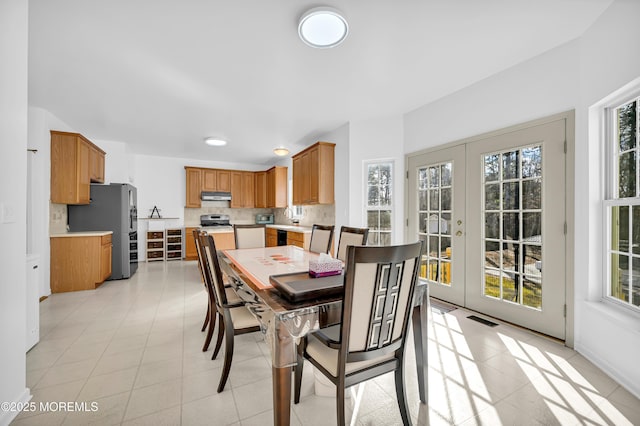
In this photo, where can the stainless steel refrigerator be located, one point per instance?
(112, 208)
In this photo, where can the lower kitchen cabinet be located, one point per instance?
(80, 261)
(272, 237)
(299, 239)
(190, 251)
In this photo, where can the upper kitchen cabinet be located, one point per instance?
(75, 163)
(242, 189)
(276, 187)
(216, 180)
(194, 186)
(260, 190)
(313, 175)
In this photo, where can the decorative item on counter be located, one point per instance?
(155, 211)
(325, 266)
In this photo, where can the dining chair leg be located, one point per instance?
(221, 327)
(340, 402)
(228, 355)
(298, 371)
(212, 326)
(400, 393)
(206, 320)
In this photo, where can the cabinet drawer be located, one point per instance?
(106, 239)
(174, 255)
(295, 236)
(177, 232)
(155, 244)
(155, 235)
(155, 254)
(295, 243)
(174, 240)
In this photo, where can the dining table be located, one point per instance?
(285, 322)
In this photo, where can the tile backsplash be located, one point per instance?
(325, 214)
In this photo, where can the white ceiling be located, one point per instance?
(161, 75)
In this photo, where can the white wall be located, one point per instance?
(574, 75)
(608, 60)
(379, 139)
(13, 186)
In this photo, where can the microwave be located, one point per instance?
(264, 219)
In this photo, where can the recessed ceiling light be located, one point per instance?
(323, 27)
(215, 141)
(281, 151)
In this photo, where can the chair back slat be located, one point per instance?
(321, 237)
(379, 285)
(249, 236)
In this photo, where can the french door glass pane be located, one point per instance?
(435, 204)
(512, 247)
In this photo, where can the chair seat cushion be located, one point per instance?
(243, 318)
(328, 357)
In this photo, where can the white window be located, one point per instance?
(379, 210)
(622, 204)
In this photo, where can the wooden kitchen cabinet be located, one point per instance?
(223, 179)
(209, 180)
(79, 262)
(155, 245)
(260, 190)
(276, 187)
(299, 239)
(75, 163)
(242, 189)
(313, 175)
(194, 187)
(190, 251)
(272, 237)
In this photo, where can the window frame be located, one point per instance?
(611, 197)
(378, 208)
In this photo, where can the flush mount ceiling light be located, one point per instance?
(215, 141)
(323, 27)
(281, 151)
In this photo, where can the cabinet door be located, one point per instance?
(248, 191)
(306, 179)
(297, 182)
(270, 187)
(272, 237)
(194, 187)
(105, 261)
(223, 180)
(190, 251)
(261, 191)
(237, 200)
(84, 180)
(209, 180)
(314, 176)
(96, 165)
(279, 188)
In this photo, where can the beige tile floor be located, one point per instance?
(134, 347)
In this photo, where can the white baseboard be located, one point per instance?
(610, 370)
(7, 416)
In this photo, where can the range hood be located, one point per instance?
(215, 196)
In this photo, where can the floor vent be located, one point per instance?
(482, 321)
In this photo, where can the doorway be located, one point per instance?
(491, 211)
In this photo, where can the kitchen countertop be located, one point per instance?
(82, 234)
(217, 229)
(292, 228)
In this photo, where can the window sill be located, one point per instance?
(630, 319)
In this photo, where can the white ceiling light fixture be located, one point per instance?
(212, 141)
(280, 151)
(323, 27)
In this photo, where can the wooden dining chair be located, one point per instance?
(249, 236)
(350, 237)
(234, 318)
(232, 297)
(378, 294)
(321, 238)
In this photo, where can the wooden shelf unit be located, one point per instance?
(173, 244)
(155, 245)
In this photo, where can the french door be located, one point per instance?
(502, 237)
